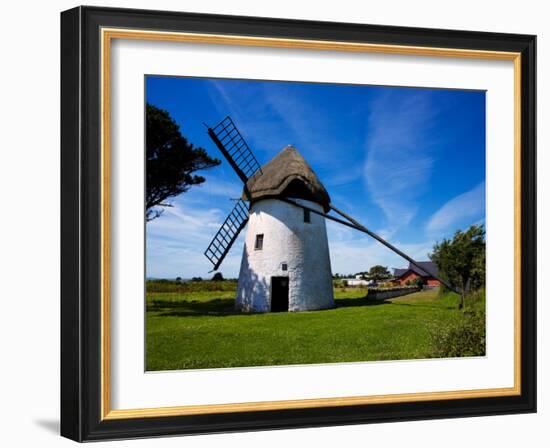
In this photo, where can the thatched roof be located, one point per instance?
(287, 175)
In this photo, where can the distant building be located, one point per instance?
(402, 276)
(357, 281)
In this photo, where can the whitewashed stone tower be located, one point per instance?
(285, 264)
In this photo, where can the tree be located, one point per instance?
(378, 273)
(171, 161)
(461, 260)
(218, 277)
(478, 271)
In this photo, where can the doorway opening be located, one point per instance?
(279, 294)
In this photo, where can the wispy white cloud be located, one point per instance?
(343, 177)
(185, 221)
(271, 116)
(251, 112)
(222, 101)
(219, 187)
(177, 240)
(353, 252)
(303, 123)
(463, 209)
(400, 155)
(312, 126)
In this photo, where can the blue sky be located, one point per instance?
(408, 163)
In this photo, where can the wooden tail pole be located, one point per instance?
(350, 222)
(359, 226)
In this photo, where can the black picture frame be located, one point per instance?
(81, 224)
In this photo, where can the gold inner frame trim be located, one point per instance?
(107, 35)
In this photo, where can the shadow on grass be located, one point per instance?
(401, 301)
(362, 301)
(426, 305)
(185, 308)
(226, 306)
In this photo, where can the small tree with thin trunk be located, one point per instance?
(462, 258)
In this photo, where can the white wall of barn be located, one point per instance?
(287, 239)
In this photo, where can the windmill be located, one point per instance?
(285, 264)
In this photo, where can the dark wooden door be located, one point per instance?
(279, 294)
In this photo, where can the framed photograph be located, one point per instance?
(274, 223)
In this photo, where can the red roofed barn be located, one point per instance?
(402, 276)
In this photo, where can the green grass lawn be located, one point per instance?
(188, 329)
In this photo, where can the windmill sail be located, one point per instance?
(227, 234)
(233, 146)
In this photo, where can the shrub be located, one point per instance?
(466, 337)
(419, 281)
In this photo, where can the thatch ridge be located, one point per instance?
(287, 175)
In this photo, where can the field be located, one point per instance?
(193, 326)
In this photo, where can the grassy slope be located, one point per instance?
(191, 330)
